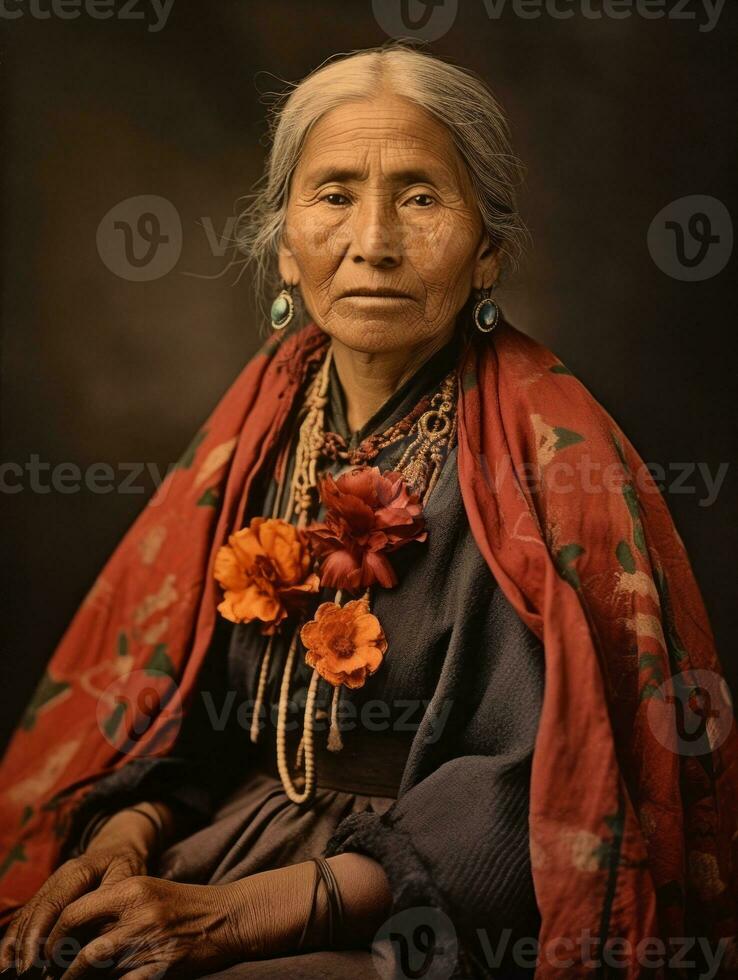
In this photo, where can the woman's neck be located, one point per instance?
(368, 380)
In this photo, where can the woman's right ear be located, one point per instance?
(289, 270)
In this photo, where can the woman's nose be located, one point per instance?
(377, 235)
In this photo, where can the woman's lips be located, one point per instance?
(377, 297)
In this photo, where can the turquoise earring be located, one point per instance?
(486, 312)
(283, 307)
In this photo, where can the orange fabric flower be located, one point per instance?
(345, 644)
(266, 571)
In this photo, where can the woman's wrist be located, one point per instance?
(269, 910)
(277, 912)
(144, 827)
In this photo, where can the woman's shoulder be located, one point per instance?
(537, 372)
(543, 402)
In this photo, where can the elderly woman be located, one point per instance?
(300, 722)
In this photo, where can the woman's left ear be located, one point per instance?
(487, 267)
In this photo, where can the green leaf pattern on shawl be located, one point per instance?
(111, 723)
(608, 850)
(209, 498)
(564, 558)
(46, 691)
(651, 662)
(677, 653)
(160, 662)
(631, 500)
(625, 557)
(566, 437)
(187, 458)
(16, 853)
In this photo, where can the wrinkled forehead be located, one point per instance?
(390, 136)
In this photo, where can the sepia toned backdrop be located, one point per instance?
(615, 118)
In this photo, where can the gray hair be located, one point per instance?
(455, 96)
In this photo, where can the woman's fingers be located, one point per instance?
(117, 951)
(101, 953)
(21, 944)
(122, 869)
(7, 946)
(100, 904)
(144, 973)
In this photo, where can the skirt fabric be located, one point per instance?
(258, 828)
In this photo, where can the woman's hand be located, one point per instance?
(118, 851)
(145, 926)
(149, 926)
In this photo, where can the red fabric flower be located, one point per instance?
(368, 514)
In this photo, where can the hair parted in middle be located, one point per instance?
(456, 96)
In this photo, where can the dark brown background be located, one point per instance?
(614, 119)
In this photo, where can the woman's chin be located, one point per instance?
(373, 333)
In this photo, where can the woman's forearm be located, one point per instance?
(130, 828)
(273, 910)
(273, 907)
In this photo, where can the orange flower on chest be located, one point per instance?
(266, 572)
(345, 644)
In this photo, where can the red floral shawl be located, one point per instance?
(630, 831)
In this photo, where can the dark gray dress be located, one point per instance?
(433, 780)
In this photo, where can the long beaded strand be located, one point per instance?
(314, 420)
(304, 482)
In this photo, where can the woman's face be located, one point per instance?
(381, 203)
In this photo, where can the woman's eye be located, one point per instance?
(330, 198)
(421, 200)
